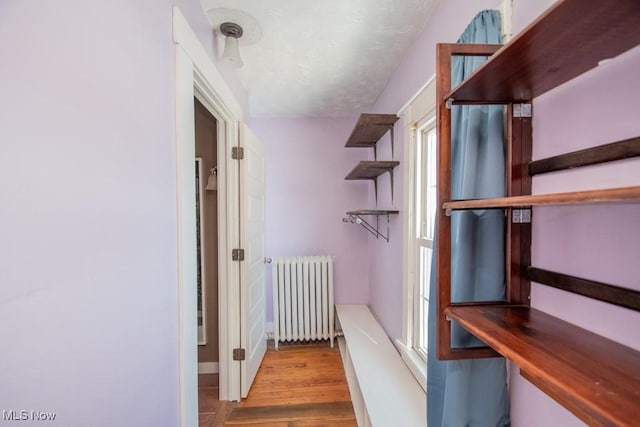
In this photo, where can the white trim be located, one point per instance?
(208, 368)
(202, 329)
(416, 95)
(414, 362)
(506, 10)
(185, 37)
(359, 408)
(194, 71)
(419, 107)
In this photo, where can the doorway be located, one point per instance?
(206, 148)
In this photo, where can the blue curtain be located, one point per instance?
(472, 392)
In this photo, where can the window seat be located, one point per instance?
(383, 390)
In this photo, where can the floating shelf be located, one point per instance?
(355, 217)
(369, 129)
(371, 170)
(595, 378)
(610, 195)
(548, 53)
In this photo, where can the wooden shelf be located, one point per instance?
(611, 195)
(595, 378)
(372, 212)
(369, 129)
(549, 53)
(619, 150)
(371, 169)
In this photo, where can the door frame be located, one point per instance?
(195, 71)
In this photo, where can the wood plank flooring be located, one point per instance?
(301, 385)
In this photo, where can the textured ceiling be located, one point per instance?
(315, 58)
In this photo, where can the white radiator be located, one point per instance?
(303, 299)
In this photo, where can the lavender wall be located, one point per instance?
(88, 276)
(307, 197)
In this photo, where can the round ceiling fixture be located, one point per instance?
(251, 30)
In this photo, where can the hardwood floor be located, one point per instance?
(301, 385)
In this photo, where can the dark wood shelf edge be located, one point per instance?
(373, 212)
(619, 150)
(372, 126)
(367, 169)
(622, 297)
(596, 378)
(608, 195)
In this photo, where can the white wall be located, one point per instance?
(88, 280)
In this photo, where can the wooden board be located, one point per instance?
(620, 150)
(566, 41)
(371, 169)
(610, 195)
(595, 378)
(369, 129)
(372, 212)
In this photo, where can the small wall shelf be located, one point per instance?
(369, 129)
(371, 170)
(356, 217)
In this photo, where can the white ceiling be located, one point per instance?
(319, 58)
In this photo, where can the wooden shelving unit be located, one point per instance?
(595, 378)
(366, 133)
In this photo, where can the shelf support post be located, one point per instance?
(391, 134)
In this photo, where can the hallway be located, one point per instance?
(299, 385)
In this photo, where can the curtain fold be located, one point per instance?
(474, 392)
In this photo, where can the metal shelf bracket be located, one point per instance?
(357, 218)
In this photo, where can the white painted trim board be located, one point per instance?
(391, 394)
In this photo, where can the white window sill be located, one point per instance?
(414, 362)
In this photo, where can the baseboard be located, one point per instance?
(208, 367)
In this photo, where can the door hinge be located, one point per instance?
(237, 254)
(522, 110)
(238, 354)
(237, 153)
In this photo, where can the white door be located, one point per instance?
(253, 336)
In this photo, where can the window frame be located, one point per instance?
(420, 110)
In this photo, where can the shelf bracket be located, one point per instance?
(449, 103)
(391, 135)
(375, 230)
(375, 188)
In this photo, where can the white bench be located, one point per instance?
(383, 390)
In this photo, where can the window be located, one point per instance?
(425, 196)
(419, 225)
